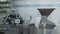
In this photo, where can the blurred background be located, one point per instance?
(23, 16)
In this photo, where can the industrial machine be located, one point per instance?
(11, 23)
(46, 26)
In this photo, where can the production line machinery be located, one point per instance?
(46, 26)
(13, 24)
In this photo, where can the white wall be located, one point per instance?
(27, 12)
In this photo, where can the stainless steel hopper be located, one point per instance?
(46, 12)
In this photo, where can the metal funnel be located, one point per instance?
(46, 12)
